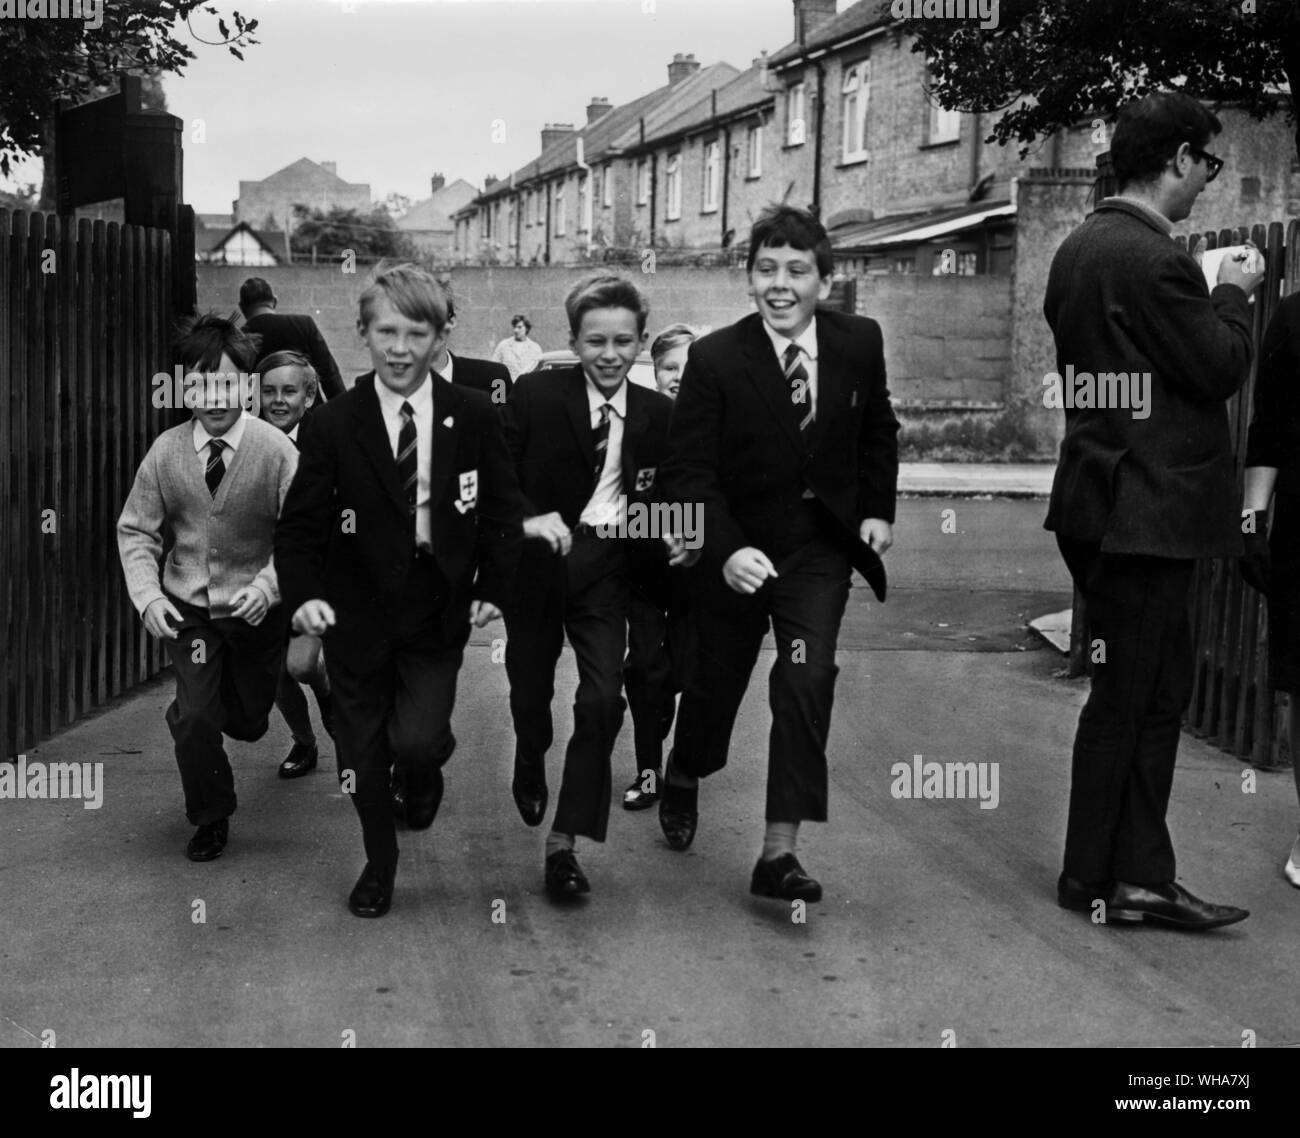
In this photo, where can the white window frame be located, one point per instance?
(943, 125)
(712, 175)
(855, 99)
(796, 125)
(642, 181)
(559, 210)
(584, 188)
(754, 150)
(606, 191)
(673, 187)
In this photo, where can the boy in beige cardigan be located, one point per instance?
(217, 484)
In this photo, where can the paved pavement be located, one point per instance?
(939, 915)
(1007, 480)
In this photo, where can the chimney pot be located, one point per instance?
(681, 67)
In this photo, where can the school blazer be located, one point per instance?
(481, 375)
(345, 534)
(735, 445)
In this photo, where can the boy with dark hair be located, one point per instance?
(585, 443)
(402, 530)
(784, 433)
(217, 483)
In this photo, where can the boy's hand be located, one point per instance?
(483, 612)
(747, 569)
(678, 554)
(877, 533)
(551, 529)
(314, 617)
(249, 604)
(155, 619)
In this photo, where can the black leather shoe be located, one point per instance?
(422, 803)
(397, 789)
(1168, 904)
(563, 877)
(208, 841)
(373, 893)
(531, 795)
(1078, 896)
(784, 877)
(644, 791)
(679, 814)
(301, 761)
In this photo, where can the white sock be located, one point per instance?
(779, 839)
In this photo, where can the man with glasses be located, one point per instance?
(1140, 494)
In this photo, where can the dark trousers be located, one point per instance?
(226, 672)
(1127, 740)
(804, 604)
(585, 597)
(400, 710)
(648, 680)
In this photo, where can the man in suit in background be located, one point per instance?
(587, 444)
(1145, 485)
(784, 433)
(277, 333)
(402, 529)
(487, 376)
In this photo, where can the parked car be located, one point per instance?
(642, 373)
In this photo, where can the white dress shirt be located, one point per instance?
(232, 438)
(421, 401)
(603, 506)
(807, 340)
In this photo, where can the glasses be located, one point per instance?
(1214, 163)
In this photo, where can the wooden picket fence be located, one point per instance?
(85, 314)
(1232, 705)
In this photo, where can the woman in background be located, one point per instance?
(518, 352)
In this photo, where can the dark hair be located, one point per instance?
(253, 292)
(413, 291)
(605, 290)
(201, 341)
(528, 325)
(785, 225)
(1149, 132)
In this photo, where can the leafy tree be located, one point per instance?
(43, 61)
(1051, 64)
(370, 236)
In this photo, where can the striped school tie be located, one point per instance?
(407, 467)
(800, 393)
(601, 439)
(215, 468)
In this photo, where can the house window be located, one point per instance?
(853, 104)
(944, 126)
(754, 149)
(674, 207)
(559, 210)
(583, 190)
(642, 182)
(794, 115)
(711, 163)
(607, 186)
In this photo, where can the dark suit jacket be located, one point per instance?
(278, 333)
(358, 562)
(482, 375)
(1122, 297)
(1274, 438)
(549, 435)
(735, 445)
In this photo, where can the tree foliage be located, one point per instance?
(1050, 64)
(370, 236)
(45, 60)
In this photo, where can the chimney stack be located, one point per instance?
(809, 16)
(331, 167)
(597, 107)
(681, 67)
(552, 132)
(437, 182)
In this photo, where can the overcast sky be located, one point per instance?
(393, 91)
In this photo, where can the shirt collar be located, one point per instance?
(807, 340)
(293, 433)
(1148, 211)
(420, 399)
(231, 438)
(596, 398)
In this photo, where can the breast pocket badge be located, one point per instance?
(645, 478)
(468, 487)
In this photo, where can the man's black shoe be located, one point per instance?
(679, 814)
(422, 802)
(531, 795)
(644, 791)
(1168, 904)
(208, 841)
(784, 877)
(563, 877)
(1078, 896)
(373, 892)
(301, 761)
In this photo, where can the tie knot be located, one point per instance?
(407, 412)
(605, 409)
(217, 446)
(792, 353)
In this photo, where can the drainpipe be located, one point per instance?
(975, 144)
(817, 143)
(546, 257)
(726, 178)
(654, 194)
